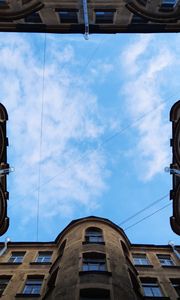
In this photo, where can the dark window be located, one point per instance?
(165, 260)
(168, 3)
(151, 287)
(4, 280)
(176, 285)
(93, 261)
(33, 285)
(94, 294)
(138, 20)
(93, 235)
(33, 18)
(104, 16)
(140, 259)
(16, 257)
(44, 257)
(2, 2)
(68, 16)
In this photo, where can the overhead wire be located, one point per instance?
(143, 209)
(41, 136)
(148, 216)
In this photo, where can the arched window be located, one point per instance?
(61, 248)
(125, 249)
(94, 235)
(94, 261)
(96, 294)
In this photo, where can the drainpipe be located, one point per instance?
(174, 250)
(3, 250)
(86, 19)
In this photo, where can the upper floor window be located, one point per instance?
(4, 280)
(33, 18)
(93, 235)
(33, 285)
(44, 257)
(94, 293)
(68, 15)
(104, 16)
(16, 257)
(151, 287)
(168, 3)
(140, 259)
(176, 285)
(94, 261)
(165, 260)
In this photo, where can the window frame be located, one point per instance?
(141, 259)
(102, 19)
(31, 286)
(7, 279)
(174, 285)
(94, 262)
(166, 260)
(94, 235)
(151, 287)
(73, 15)
(14, 258)
(41, 254)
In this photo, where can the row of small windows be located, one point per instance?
(42, 257)
(142, 259)
(33, 285)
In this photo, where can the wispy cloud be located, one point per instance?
(144, 70)
(73, 176)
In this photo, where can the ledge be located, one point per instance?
(171, 267)
(144, 266)
(40, 263)
(27, 295)
(95, 272)
(93, 243)
(10, 263)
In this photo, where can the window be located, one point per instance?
(165, 260)
(94, 261)
(138, 20)
(16, 257)
(44, 257)
(68, 15)
(4, 280)
(33, 18)
(94, 294)
(176, 285)
(104, 16)
(168, 3)
(33, 285)
(151, 287)
(93, 235)
(140, 259)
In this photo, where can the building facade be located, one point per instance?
(93, 16)
(92, 258)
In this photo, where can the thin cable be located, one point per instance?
(41, 135)
(143, 209)
(148, 216)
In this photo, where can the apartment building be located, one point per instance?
(92, 258)
(90, 16)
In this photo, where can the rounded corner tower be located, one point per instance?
(93, 262)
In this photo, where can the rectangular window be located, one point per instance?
(33, 286)
(94, 262)
(176, 285)
(140, 259)
(16, 257)
(4, 280)
(68, 15)
(151, 287)
(44, 257)
(165, 260)
(168, 3)
(104, 16)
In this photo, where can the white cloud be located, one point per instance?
(71, 125)
(142, 91)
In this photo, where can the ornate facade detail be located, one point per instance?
(100, 16)
(4, 220)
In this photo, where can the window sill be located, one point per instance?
(93, 243)
(27, 295)
(171, 267)
(156, 298)
(40, 263)
(144, 266)
(95, 272)
(10, 263)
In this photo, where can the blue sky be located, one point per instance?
(105, 130)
